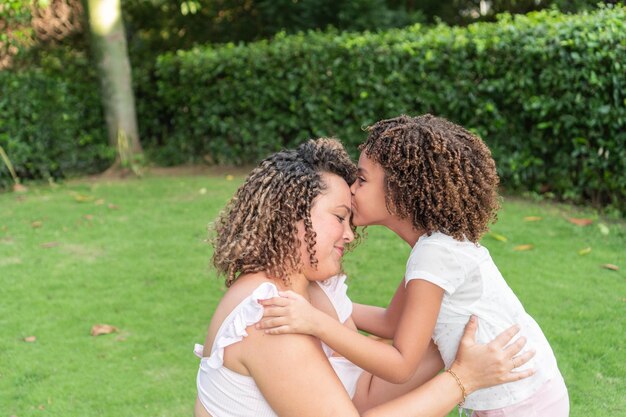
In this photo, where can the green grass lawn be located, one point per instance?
(132, 254)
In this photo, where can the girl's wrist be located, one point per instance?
(317, 324)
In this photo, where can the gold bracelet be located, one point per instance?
(458, 381)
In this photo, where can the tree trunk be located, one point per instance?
(111, 53)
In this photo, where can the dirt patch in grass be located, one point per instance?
(184, 170)
(83, 252)
(10, 261)
(175, 171)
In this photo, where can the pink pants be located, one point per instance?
(550, 401)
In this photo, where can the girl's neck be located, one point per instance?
(405, 230)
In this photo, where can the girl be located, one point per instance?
(434, 184)
(286, 228)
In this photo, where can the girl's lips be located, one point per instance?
(340, 250)
(355, 210)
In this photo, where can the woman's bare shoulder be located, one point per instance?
(235, 295)
(245, 285)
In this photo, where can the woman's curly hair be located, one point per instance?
(257, 230)
(437, 174)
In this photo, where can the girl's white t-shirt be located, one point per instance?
(473, 285)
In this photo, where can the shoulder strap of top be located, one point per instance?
(233, 328)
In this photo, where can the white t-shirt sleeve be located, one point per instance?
(437, 264)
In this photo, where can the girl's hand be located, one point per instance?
(289, 313)
(481, 366)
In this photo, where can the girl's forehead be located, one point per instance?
(368, 165)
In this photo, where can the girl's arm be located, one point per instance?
(394, 363)
(379, 321)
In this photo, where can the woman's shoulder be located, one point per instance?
(244, 287)
(236, 296)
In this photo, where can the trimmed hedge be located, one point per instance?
(546, 91)
(51, 120)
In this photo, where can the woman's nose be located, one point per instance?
(348, 234)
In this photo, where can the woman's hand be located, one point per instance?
(481, 366)
(289, 313)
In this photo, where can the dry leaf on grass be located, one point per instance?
(30, 339)
(579, 222)
(98, 329)
(82, 198)
(99, 202)
(88, 217)
(36, 224)
(532, 218)
(498, 237)
(113, 207)
(229, 178)
(584, 251)
(611, 267)
(523, 247)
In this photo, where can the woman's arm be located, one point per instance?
(294, 375)
(296, 379)
(476, 365)
(394, 363)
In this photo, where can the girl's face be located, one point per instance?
(330, 218)
(368, 194)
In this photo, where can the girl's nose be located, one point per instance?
(353, 187)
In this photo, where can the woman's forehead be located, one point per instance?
(336, 189)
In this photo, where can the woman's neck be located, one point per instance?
(297, 283)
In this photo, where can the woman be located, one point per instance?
(287, 228)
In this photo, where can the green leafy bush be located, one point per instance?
(546, 91)
(51, 121)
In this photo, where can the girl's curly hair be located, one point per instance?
(257, 230)
(437, 174)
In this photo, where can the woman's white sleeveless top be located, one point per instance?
(225, 393)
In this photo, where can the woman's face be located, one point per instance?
(330, 218)
(368, 194)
